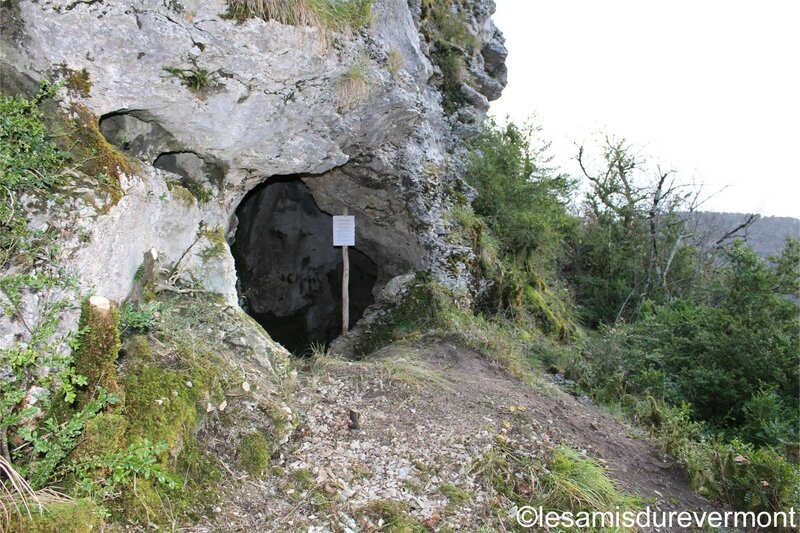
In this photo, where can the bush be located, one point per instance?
(522, 210)
(735, 473)
(732, 354)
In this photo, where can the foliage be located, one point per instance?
(735, 473)
(51, 441)
(523, 205)
(577, 483)
(566, 481)
(444, 26)
(195, 79)
(635, 242)
(104, 476)
(720, 351)
(428, 307)
(29, 161)
(139, 318)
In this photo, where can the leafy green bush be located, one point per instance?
(139, 317)
(51, 441)
(103, 476)
(733, 354)
(29, 161)
(735, 473)
(523, 205)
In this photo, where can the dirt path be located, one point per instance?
(427, 411)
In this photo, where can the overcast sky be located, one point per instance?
(710, 88)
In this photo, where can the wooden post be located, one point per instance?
(345, 288)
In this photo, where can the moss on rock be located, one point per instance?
(159, 406)
(99, 346)
(81, 516)
(254, 452)
(104, 434)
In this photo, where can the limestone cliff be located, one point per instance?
(217, 106)
(200, 130)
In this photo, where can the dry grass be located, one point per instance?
(336, 15)
(395, 62)
(413, 373)
(18, 498)
(16, 495)
(354, 85)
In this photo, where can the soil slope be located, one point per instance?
(428, 410)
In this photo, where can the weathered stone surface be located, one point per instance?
(276, 104)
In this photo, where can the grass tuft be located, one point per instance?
(354, 85)
(335, 15)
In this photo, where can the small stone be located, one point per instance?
(189, 384)
(100, 302)
(245, 386)
(223, 405)
(209, 407)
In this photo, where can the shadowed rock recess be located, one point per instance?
(290, 274)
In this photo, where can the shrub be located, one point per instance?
(522, 202)
(29, 161)
(735, 473)
(139, 317)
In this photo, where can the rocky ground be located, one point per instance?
(427, 412)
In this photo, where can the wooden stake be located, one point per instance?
(345, 288)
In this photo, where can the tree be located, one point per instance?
(635, 243)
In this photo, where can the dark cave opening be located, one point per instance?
(290, 274)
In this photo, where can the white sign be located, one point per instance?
(344, 230)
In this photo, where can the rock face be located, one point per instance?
(213, 108)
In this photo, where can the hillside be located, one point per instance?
(766, 235)
(175, 353)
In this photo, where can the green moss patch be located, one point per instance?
(99, 347)
(254, 452)
(102, 435)
(160, 406)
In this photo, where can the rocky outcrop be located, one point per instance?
(213, 107)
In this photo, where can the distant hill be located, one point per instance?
(766, 235)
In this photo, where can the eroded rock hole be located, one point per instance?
(289, 272)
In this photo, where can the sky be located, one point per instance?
(708, 88)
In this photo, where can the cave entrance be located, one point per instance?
(290, 275)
